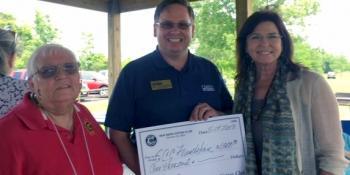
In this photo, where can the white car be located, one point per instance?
(331, 75)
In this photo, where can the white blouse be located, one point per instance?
(11, 93)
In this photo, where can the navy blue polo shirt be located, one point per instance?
(150, 92)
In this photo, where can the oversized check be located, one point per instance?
(213, 147)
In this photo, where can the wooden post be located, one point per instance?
(243, 10)
(114, 40)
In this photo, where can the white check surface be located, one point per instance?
(212, 147)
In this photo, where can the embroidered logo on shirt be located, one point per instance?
(161, 84)
(208, 88)
(89, 128)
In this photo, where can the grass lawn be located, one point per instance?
(99, 106)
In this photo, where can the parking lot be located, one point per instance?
(92, 97)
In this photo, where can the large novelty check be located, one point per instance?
(212, 147)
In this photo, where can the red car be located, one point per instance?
(96, 83)
(20, 74)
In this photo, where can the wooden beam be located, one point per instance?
(243, 10)
(114, 40)
(102, 5)
(131, 5)
(98, 5)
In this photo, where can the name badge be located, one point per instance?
(161, 84)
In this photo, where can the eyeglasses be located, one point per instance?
(47, 72)
(271, 38)
(167, 25)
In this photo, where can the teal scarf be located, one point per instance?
(279, 145)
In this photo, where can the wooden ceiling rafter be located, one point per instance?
(103, 5)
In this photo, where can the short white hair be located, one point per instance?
(44, 51)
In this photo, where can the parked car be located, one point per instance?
(331, 75)
(84, 91)
(96, 83)
(20, 74)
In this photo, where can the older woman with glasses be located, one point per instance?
(291, 115)
(49, 132)
(11, 90)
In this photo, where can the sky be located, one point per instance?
(330, 28)
(327, 30)
(136, 27)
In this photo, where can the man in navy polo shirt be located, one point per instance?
(166, 86)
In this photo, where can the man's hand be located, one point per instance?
(203, 111)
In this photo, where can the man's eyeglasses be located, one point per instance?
(51, 71)
(167, 25)
(271, 38)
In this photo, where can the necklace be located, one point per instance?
(46, 114)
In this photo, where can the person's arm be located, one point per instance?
(127, 150)
(329, 146)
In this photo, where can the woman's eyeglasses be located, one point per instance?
(271, 38)
(167, 25)
(51, 71)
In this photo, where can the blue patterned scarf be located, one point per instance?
(279, 145)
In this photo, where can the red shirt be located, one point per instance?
(30, 146)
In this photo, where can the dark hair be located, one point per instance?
(165, 3)
(7, 48)
(244, 61)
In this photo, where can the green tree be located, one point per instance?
(7, 21)
(26, 44)
(308, 56)
(327, 67)
(216, 24)
(43, 28)
(338, 63)
(215, 33)
(318, 59)
(88, 59)
(29, 37)
(24, 37)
